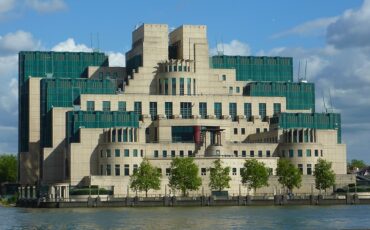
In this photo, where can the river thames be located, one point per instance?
(297, 217)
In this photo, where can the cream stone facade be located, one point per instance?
(183, 108)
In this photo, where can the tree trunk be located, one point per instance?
(146, 193)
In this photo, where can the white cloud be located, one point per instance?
(46, 5)
(352, 29)
(6, 6)
(70, 45)
(235, 47)
(12, 43)
(314, 27)
(117, 59)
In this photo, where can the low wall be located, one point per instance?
(278, 200)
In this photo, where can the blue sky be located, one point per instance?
(332, 35)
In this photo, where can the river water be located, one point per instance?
(299, 217)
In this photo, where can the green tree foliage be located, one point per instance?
(184, 175)
(324, 175)
(360, 164)
(219, 176)
(255, 174)
(8, 168)
(289, 175)
(146, 177)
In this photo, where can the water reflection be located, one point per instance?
(302, 217)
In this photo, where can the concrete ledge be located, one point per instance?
(201, 201)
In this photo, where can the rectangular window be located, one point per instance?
(308, 152)
(101, 153)
(223, 77)
(190, 153)
(90, 105)
(142, 153)
(268, 153)
(182, 81)
(168, 109)
(153, 110)
(309, 169)
(230, 90)
(173, 80)
(300, 167)
(277, 108)
(259, 153)
(291, 153)
(218, 110)
(134, 154)
(108, 169)
(125, 135)
(117, 170)
(160, 86)
(181, 153)
(234, 171)
(235, 153)
(235, 131)
(300, 152)
(233, 111)
(127, 152)
(251, 153)
(237, 89)
(117, 153)
(244, 153)
(168, 171)
(114, 135)
(119, 132)
(262, 110)
(316, 153)
(156, 153)
(243, 131)
(203, 109)
(185, 110)
(106, 105)
(164, 153)
(101, 169)
(166, 86)
(258, 130)
(135, 167)
(122, 106)
(248, 111)
(189, 86)
(127, 170)
(173, 153)
(203, 171)
(137, 108)
(108, 153)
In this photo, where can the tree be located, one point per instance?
(184, 175)
(8, 168)
(255, 174)
(289, 175)
(360, 164)
(219, 176)
(146, 177)
(324, 175)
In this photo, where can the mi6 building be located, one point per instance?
(83, 123)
